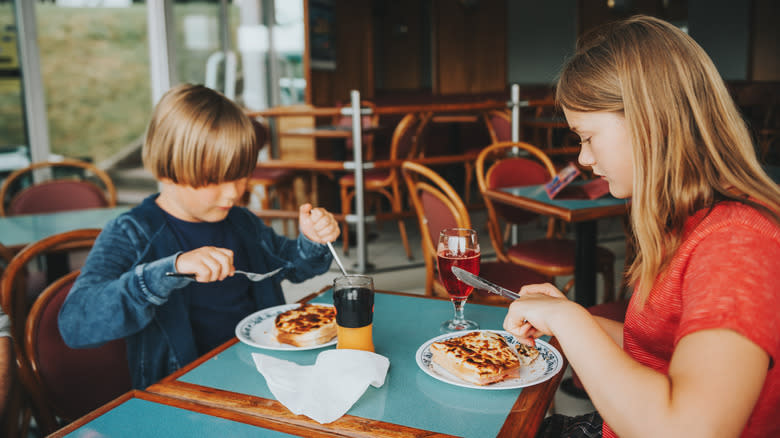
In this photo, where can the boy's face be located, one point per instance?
(209, 203)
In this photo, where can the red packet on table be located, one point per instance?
(561, 180)
(596, 188)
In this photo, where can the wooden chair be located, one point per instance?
(438, 206)
(81, 188)
(71, 382)
(14, 415)
(386, 182)
(42, 400)
(552, 255)
(277, 184)
(499, 125)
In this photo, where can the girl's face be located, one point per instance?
(606, 148)
(209, 203)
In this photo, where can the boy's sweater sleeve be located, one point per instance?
(301, 257)
(116, 296)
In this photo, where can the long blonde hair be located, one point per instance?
(691, 146)
(197, 137)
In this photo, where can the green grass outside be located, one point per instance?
(95, 70)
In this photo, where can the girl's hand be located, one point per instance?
(531, 315)
(318, 224)
(208, 263)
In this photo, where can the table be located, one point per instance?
(141, 414)
(583, 213)
(18, 231)
(410, 403)
(327, 131)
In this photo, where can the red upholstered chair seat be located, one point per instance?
(553, 252)
(61, 195)
(508, 275)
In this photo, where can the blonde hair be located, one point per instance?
(198, 137)
(691, 147)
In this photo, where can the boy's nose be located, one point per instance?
(232, 190)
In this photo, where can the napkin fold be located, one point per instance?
(326, 390)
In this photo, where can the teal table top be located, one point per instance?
(24, 229)
(537, 193)
(409, 396)
(136, 418)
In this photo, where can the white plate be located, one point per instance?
(257, 329)
(543, 368)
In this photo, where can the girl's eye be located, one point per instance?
(585, 140)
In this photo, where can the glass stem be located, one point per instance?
(458, 305)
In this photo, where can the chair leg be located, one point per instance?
(469, 168)
(404, 239)
(346, 199)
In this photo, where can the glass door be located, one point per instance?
(14, 149)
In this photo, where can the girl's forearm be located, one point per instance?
(623, 391)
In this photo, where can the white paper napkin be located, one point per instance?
(326, 390)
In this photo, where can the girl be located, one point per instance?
(696, 355)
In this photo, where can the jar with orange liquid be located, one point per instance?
(353, 297)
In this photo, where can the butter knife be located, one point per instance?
(480, 283)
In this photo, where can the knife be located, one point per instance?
(480, 283)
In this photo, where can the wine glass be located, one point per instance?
(457, 247)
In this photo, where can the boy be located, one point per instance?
(201, 147)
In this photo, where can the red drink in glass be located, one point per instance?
(468, 261)
(457, 247)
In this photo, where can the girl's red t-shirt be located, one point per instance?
(724, 275)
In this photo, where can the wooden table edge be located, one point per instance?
(272, 410)
(240, 417)
(526, 416)
(566, 214)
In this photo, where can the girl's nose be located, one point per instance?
(585, 157)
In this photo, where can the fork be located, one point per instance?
(250, 275)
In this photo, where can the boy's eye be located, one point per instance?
(585, 140)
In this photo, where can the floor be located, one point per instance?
(393, 271)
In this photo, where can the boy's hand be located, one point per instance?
(318, 224)
(208, 263)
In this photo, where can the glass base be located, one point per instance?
(456, 326)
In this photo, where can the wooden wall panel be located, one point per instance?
(469, 52)
(595, 13)
(354, 56)
(399, 29)
(765, 37)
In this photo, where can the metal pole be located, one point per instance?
(515, 98)
(515, 112)
(162, 60)
(32, 83)
(360, 206)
